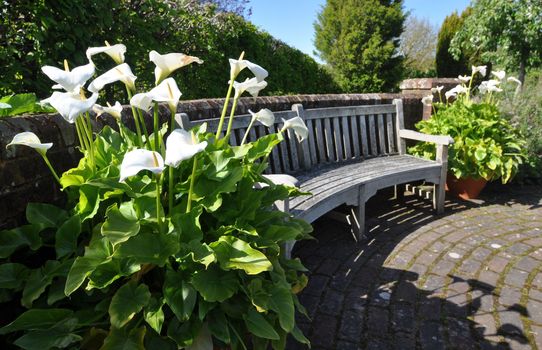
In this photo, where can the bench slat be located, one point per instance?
(320, 141)
(274, 158)
(294, 156)
(346, 137)
(312, 143)
(285, 161)
(372, 135)
(330, 150)
(364, 135)
(381, 135)
(355, 136)
(338, 139)
(333, 112)
(391, 136)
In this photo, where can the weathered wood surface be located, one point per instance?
(350, 153)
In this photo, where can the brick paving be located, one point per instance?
(468, 279)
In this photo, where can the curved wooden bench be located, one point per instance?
(350, 153)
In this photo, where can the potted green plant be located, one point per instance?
(166, 241)
(486, 146)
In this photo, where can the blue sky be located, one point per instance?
(292, 20)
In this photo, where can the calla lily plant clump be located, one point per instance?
(169, 239)
(486, 145)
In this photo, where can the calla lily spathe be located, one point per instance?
(264, 116)
(458, 89)
(236, 66)
(437, 89)
(116, 52)
(30, 139)
(122, 72)
(166, 91)
(298, 126)
(514, 79)
(427, 100)
(69, 80)
(464, 78)
(71, 104)
(479, 69)
(166, 64)
(182, 145)
(138, 160)
(491, 85)
(114, 111)
(500, 74)
(252, 86)
(142, 101)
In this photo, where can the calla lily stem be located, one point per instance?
(223, 115)
(248, 129)
(230, 122)
(158, 192)
(156, 128)
(170, 190)
(192, 178)
(55, 175)
(136, 121)
(82, 142)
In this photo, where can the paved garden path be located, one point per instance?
(469, 279)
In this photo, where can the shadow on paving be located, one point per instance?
(356, 302)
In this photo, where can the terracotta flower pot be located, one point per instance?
(465, 188)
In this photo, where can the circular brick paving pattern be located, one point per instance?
(468, 279)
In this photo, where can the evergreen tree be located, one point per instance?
(359, 39)
(447, 66)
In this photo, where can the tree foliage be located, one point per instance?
(37, 33)
(507, 33)
(359, 39)
(446, 65)
(418, 45)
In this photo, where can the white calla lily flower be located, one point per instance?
(449, 94)
(30, 139)
(252, 86)
(479, 69)
(114, 111)
(298, 125)
(427, 100)
(236, 66)
(166, 64)
(116, 52)
(138, 160)
(69, 80)
(437, 89)
(182, 145)
(514, 80)
(500, 74)
(264, 116)
(142, 101)
(459, 89)
(70, 105)
(464, 78)
(166, 91)
(122, 72)
(491, 85)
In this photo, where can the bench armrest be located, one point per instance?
(415, 135)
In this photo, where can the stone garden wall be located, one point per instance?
(24, 177)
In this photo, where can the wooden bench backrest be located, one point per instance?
(336, 134)
(284, 158)
(340, 134)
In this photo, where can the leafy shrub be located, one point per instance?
(486, 145)
(181, 252)
(20, 104)
(524, 110)
(37, 34)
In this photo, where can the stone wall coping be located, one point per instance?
(426, 83)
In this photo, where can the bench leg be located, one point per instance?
(287, 248)
(438, 196)
(356, 219)
(400, 191)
